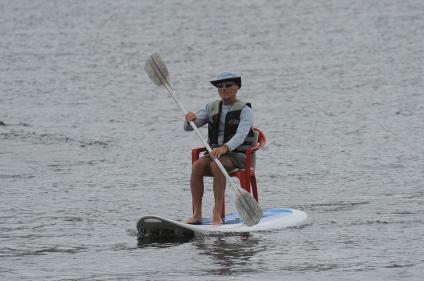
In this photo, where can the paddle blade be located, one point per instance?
(248, 208)
(157, 70)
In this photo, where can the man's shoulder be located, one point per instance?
(215, 102)
(213, 105)
(243, 105)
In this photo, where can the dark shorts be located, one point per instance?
(238, 159)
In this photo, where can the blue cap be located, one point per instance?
(227, 76)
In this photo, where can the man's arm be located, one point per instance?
(200, 119)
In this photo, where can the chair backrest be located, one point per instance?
(259, 140)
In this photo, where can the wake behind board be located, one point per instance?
(272, 219)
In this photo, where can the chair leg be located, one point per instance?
(243, 183)
(254, 187)
(247, 178)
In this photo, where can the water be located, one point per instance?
(90, 144)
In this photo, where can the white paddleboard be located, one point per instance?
(272, 219)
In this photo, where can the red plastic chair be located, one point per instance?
(246, 176)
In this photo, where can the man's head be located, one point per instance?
(228, 83)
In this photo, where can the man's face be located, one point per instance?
(227, 90)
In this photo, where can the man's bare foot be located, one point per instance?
(217, 221)
(216, 218)
(194, 220)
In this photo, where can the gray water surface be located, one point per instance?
(90, 145)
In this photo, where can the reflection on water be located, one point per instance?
(230, 254)
(155, 242)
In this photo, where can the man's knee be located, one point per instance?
(214, 168)
(201, 165)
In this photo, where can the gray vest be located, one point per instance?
(232, 120)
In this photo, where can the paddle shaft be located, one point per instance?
(193, 125)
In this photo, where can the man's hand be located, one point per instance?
(190, 116)
(219, 151)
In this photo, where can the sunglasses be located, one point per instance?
(225, 84)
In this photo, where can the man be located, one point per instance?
(230, 123)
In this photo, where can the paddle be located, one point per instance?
(246, 205)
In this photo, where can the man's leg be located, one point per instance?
(199, 170)
(219, 182)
